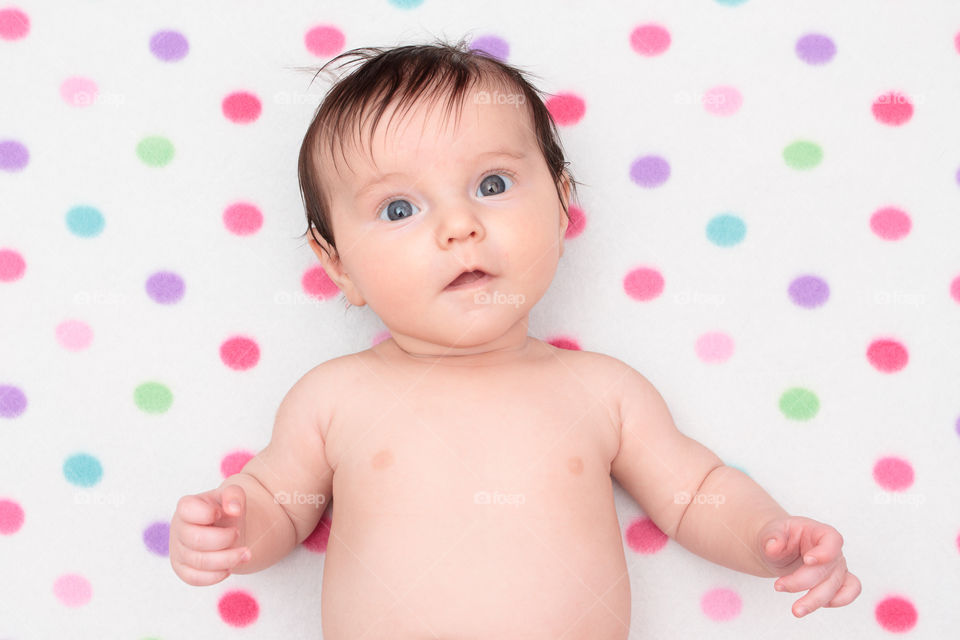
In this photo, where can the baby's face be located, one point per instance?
(438, 199)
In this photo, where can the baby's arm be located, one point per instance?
(282, 492)
(718, 512)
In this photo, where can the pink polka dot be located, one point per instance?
(890, 223)
(233, 462)
(380, 337)
(887, 356)
(893, 474)
(74, 335)
(319, 538)
(317, 283)
(954, 289)
(241, 107)
(577, 222)
(643, 284)
(956, 42)
(242, 218)
(78, 92)
(240, 353)
(72, 590)
(721, 604)
(14, 24)
(896, 614)
(11, 517)
(12, 265)
(650, 39)
(324, 40)
(566, 108)
(238, 608)
(892, 108)
(563, 342)
(643, 536)
(714, 347)
(722, 101)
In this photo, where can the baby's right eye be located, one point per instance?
(399, 209)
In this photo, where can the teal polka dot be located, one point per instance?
(740, 469)
(731, 3)
(85, 221)
(726, 230)
(83, 470)
(406, 4)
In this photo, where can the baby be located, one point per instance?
(471, 462)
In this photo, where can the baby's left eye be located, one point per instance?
(493, 185)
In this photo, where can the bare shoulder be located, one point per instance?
(605, 373)
(321, 386)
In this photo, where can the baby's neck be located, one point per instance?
(506, 351)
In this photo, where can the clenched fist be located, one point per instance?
(205, 535)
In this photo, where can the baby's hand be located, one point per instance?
(205, 536)
(806, 555)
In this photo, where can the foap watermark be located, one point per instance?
(99, 297)
(497, 297)
(316, 499)
(295, 297)
(495, 497)
(109, 498)
(690, 97)
(485, 97)
(716, 499)
(887, 497)
(899, 297)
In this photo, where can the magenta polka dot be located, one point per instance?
(234, 462)
(722, 101)
(649, 39)
(890, 223)
(649, 171)
(13, 155)
(317, 283)
(893, 473)
(12, 265)
(565, 342)
(14, 24)
(643, 284)
(240, 353)
(721, 604)
(13, 402)
(815, 49)
(324, 40)
(714, 347)
(78, 92)
(242, 218)
(165, 287)
(954, 287)
(156, 537)
(493, 46)
(11, 517)
(72, 590)
(809, 291)
(892, 108)
(577, 223)
(643, 536)
(320, 536)
(238, 608)
(887, 356)
(169, 46)
(896, 614)
(241, 107)
(74, 335)
(566, 108)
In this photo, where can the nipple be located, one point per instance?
(575, 465)
(382, 459)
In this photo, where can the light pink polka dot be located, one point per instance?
(242, 218)
(73, 590)
(893, 473)
(714, 347)
(317, 283)
(643, 284)
(234, 462)
(14, 24)
(74, 335)
(11, 517)
(380, 337)
(324, 40)
(78, 91)
(649, 39)
(722, 101)
(890, 223)
(954, 288)
(12, 265)
(721, 604)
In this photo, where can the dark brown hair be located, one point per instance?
(404, 75)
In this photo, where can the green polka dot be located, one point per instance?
(799, 403)
(155, 151)
(802, 155)
(153, 397)
(726, 230)
(84, 221)
(83, 470)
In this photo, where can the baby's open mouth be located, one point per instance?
(467, 278)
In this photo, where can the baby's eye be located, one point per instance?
(493, 185)
(399, 209)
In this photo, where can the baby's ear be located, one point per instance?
(330, 261)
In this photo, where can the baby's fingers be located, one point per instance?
(201, 538)
(819, 595)
(200, 578)
(198, 509)
(214, 561)
(848, 592)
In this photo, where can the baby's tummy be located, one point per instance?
(495, 570)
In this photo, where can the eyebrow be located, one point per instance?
(496, 153)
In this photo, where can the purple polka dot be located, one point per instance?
(814, 48)
(157, 538)
(809, 291)
(650, 171)
(12, 401)
(13, 155)
(496, 47)
(957, 426)
(165, 287)
(169, 46)
(958, 176)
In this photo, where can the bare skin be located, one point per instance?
(472, 463)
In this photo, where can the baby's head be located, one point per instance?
(398, 212)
